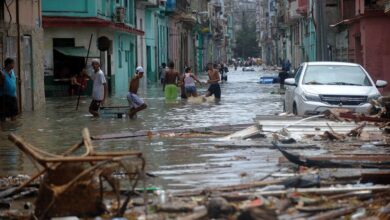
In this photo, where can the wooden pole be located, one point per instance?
(85, 65)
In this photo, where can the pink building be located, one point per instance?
(368, 36)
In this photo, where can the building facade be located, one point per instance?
(105, 28)
(368, 28)
(181, 37)
(21, 38)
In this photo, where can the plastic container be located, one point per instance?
(266, 80)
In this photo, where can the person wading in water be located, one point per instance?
(136, 103)
(214, 78)
(189, 83)
(171, 80)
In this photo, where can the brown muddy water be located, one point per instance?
(179, 163)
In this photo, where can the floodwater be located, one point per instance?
(179, 163)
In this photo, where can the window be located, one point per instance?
(107, 8)
(120, 58)
(100, 7)
(63, 42)
(336, 75)
(298, 74)
(127, 56)
(296, 34)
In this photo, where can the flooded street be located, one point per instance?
(179, 163)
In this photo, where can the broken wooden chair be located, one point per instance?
(74, 184)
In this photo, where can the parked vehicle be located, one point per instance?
(318, 86)
(248, 69)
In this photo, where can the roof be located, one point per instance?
(76, 52)
(331, 63)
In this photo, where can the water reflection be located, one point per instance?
(59, 125)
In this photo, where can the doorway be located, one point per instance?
(149, 63)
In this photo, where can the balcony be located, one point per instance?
(177, 5)
(293, 15)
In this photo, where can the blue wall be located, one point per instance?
(76, 8)
(150, 40)
(104, 9)
(162, 39)
(123, 62)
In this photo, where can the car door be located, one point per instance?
(290, 91)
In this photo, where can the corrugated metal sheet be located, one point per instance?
(310, 127)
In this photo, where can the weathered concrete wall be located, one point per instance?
(332, 16)
(123, 48)
(174, 42)
(31, 84)
(340, 51)
(38, 69)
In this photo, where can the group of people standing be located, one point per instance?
(171, 81)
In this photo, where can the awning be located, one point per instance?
(76, 52)
(74, 22)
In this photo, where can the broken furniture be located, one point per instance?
(75, 184)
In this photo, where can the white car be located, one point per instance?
(319, 86)
(251, 69)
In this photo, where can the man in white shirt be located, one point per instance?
(99, 91)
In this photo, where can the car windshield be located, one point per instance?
(335, 75)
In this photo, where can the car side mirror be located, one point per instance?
(381, 83)
(290, 82)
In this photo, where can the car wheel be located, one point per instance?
(295, 110)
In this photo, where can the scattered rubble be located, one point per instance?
(346, 174)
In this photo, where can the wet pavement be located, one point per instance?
(179, 163)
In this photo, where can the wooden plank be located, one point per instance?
(270, 146)
(243, 134)
(144, 133)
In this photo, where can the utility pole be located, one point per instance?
(321, 38)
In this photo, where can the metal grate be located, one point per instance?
(343, 100)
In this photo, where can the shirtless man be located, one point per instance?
(214, 78)
(170, 83)
(136, 103)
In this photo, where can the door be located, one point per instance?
(132, 60)
(149, 63)
(290, 92)
(27, 74)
